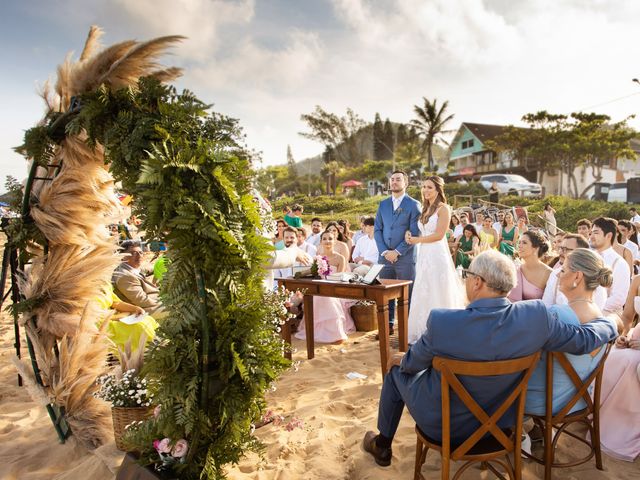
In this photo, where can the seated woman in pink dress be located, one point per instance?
(331, 318)
(620, 396)
(533, 273)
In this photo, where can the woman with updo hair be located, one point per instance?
(533, 273)
(582, 272)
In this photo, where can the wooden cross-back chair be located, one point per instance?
(588, 416)
(478, 447)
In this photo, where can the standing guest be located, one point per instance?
(498, 224)
(456, 226)
(343, 226)
(467, 246)
(522, 224)
(340, 241)
(583, 227)
(365, 253)
(552, 294)
(488, 236)
(278, 240)
(494, 193)
(549, 215)
(489, 329)
(635, 218)
(601, 239)
(316, 231)
(360, 233)
(394, 217)
(332, 321)
(509, 235)
(626, 231)
(436, 283)
(582, 272)
(294, 219)
(303, 244)
(532, 274)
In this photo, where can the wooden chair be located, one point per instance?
(589, 416)
(477, 448)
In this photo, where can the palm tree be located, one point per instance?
(430, 125)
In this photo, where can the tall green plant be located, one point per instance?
(218, 350)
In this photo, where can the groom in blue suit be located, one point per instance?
(395, 216)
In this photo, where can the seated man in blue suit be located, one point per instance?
(490, 328)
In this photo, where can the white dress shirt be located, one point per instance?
(314, 239)
(366, 248)
(497, 226)
(618, 291)
(357, 236)
(553, 296)
(397, 201)
(634, 249)
(635, 218)
(308, 249)
(458, 231)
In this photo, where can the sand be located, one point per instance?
(334, 413)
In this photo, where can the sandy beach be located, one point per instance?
(325, 417)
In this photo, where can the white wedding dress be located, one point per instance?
(437, 284)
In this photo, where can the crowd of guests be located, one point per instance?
(583, 278)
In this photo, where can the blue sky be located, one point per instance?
(266, 62)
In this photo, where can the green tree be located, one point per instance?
(402, 135)
(430, 125)
(561, 143)
(378, 139)
(389, 140)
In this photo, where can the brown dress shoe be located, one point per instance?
(382, 456)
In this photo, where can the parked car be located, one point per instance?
(512, 184)
(617, 192)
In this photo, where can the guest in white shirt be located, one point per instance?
(303, 244)
(464, 221)
(360, 233)
(626, 230)
(479, 221)
(365, 253)
(635, 218)
(497, 226)
(290, 239)
(316, 232)
(455, 225)
(601, 239)
(552, 294)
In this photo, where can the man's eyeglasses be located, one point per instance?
(466, 273)
(566, 249)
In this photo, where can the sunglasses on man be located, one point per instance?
(466, 273)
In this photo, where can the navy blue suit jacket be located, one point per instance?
(488, 329)
(390, 227)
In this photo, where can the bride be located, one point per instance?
(436, 285)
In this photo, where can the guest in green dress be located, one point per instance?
(467, 246)
(509, 237)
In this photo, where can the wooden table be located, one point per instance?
(380, 294)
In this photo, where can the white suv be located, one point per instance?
(511, 184)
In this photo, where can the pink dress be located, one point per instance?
(620, 401)
(332, 320)
(524, 289)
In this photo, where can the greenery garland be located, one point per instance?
(218, 350)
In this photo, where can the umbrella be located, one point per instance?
(351, 184)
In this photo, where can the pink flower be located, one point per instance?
(156, 444)
(180, 449)
(163, 446)
(156, 411)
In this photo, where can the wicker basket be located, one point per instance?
(364, 316)
(123, 416)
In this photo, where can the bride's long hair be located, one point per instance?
(430, 209)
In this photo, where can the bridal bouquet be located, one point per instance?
(320, 266)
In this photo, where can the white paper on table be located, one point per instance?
(355, 376)
(132, 319)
